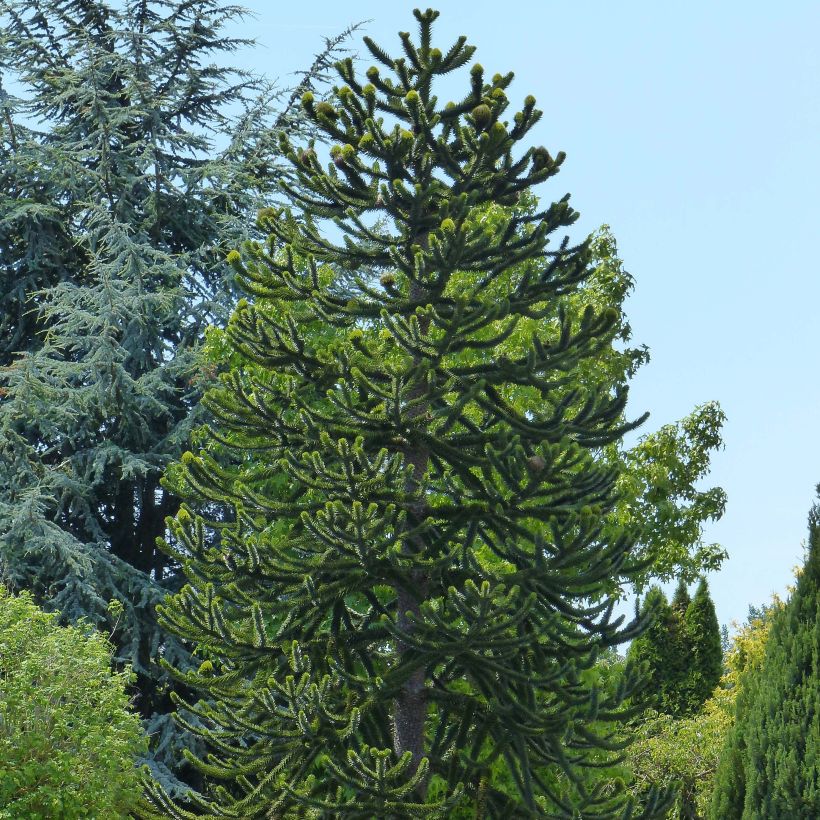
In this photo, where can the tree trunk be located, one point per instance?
(410, 710)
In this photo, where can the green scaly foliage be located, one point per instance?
(702, 634)
(681, 651)
(770, 766)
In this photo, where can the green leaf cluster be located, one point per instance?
(660, 486)
(69, 741)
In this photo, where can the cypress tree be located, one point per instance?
(682, 651)
(701, 631)
(770, 766)
(681, 599)
(413, 578)
(656, 651)
(117, 212)
(679, 653)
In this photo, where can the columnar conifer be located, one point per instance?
(681, 599)
(655, 651)
(411, 578)
(682, 651)
(705, 651)
(770, 766)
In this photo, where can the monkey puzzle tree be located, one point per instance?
(412, 579)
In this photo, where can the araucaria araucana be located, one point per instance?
(396, 622)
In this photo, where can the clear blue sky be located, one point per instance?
(693, 130)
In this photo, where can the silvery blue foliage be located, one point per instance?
(131, 158)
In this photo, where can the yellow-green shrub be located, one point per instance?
(68, 740)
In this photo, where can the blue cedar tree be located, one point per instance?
(117, 213)
(410, 580)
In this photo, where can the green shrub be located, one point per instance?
(68, 741)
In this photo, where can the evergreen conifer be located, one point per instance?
(681, 599)
(656, 651)
(682, 651)
(704, 661)
(411, 578)
(117, 213)
(770, 766)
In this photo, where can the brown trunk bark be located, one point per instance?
(410, 709)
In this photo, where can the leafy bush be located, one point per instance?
(68, 741)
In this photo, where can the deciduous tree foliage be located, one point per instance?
(117, 212)
(416, 576)
(659, 486)
(770, 766)
(69, 741)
